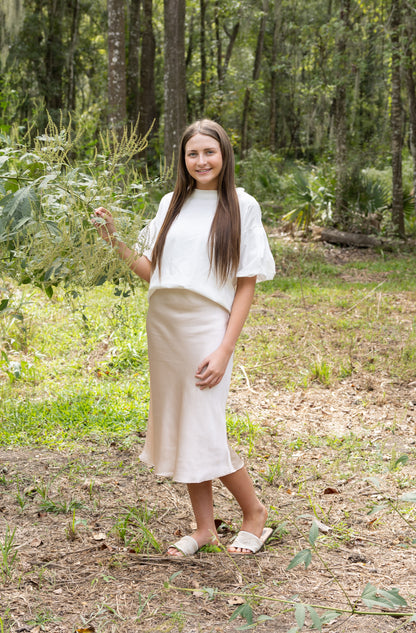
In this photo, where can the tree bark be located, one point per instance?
(411, 91)
(148, 108)
(223, 60)
(71, 55)
(54, 57)
(274, 76)
(396, 120)
(11, 20)
(174, 77)
(116, 64)
(202, 93)
(133, 66)
(255, 76)
(340, 122)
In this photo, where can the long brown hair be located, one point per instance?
(224, 237)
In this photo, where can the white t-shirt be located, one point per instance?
(185, 260)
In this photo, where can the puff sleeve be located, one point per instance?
(256, 258)
(147, 236)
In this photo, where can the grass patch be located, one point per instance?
(76, 367)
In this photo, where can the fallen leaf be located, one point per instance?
(58, 591)
(331, 491)
(88, 629)
(235, 600)
(37, 542)
(99, 536)
(105, 546)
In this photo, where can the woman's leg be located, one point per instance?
(254, 512)
(202, 505)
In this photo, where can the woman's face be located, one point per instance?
(203, 160)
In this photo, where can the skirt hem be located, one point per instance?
(194, 481)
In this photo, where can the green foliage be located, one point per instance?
(133, 529)
(260, 173)
(381, 599)
(8, 552)
(46, 235)
(313, 196)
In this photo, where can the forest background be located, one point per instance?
(319, 98)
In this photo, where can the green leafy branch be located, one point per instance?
(371, 597)
(379, 602)
(46, 235)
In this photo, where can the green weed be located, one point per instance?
(132, 528)
(321, 372)
(8, 552)
(243, 430)
(60, 507)
(274, 470)
(42, 618)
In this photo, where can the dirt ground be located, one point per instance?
(87, 579)
(74, 572)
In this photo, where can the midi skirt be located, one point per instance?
(186, 437)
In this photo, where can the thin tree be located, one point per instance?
(409, 71)
(75, 6)
(223, 59)
(174, 77)
(133, 64)
(148, 107)
(54, 56)
(340, 118)
(396, 119)
(255, 77)
(116, 64)
(203, 53)
(274, 75)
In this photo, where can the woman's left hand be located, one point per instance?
(210, 372)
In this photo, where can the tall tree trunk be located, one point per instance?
(11, 20)
(71, 55)
(218, 42)
(274, 76)
(255, 76)
(116, 64)
(202, 93)
(132, 73)
(174, 77)
(411, 91)
(396, 120)
(231, 41)
(223, 63)
(340, 121)
(54, 57)
(148, 109)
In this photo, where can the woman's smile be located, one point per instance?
(203, 160)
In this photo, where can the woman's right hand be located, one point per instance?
(106, 227)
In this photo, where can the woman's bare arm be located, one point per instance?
(212, 368)
(139, 264)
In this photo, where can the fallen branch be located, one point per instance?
(359, 240)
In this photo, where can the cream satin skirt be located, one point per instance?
(186, 436)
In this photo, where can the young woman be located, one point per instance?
(202, 254)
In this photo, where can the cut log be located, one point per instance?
(333, 236)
